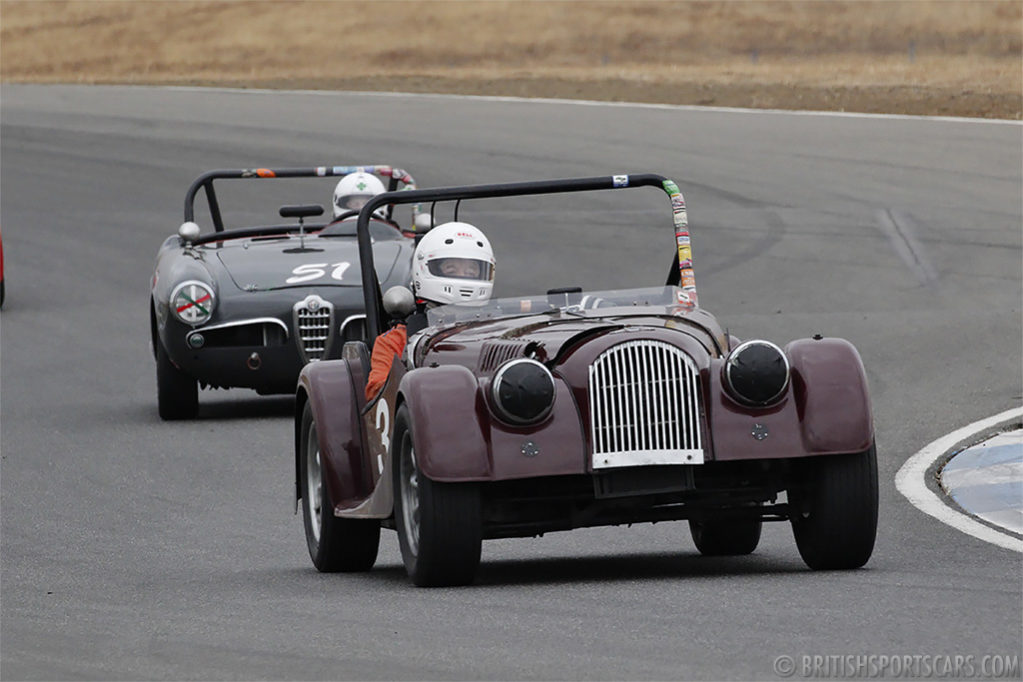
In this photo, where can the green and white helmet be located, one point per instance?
(354, 190)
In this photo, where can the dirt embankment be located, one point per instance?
(933, 57)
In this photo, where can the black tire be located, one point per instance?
(835, 510)
(177, 394)
(730, 537)
(335, 544)
(440, 529)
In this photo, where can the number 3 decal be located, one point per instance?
(311, 271)
(383, 414)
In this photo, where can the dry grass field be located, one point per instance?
(934, 57)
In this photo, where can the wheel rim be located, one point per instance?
(410, 495)
(313, 483)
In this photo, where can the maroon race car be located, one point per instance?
(572, 409)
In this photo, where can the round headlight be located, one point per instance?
(192, 302)
(756, 373)
(522, 392)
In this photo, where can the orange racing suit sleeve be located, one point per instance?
(388, 344)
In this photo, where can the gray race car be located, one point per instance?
(250, 306)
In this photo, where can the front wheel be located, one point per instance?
(834, 516)
(177, 394)
(715, 537)
(335, 544)
(439, 525)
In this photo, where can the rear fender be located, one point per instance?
(445, 409)
(329, 389)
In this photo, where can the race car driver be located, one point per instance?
(453, 263)
(354, 190)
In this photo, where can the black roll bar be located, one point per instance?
(205, 182)
(370, 285)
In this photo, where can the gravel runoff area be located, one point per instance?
(923, 57)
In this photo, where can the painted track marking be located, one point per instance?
(911, 483)
(578, 102)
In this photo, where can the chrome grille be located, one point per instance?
(644, 406)
(313, 321)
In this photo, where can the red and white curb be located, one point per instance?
(911, 482)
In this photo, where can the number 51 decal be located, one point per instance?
(311, 271)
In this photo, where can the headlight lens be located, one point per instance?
(756, 373)
(192, 302)
(522, 392)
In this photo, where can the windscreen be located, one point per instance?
(578, 302)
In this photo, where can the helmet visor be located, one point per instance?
(353, 202)
(461, 268)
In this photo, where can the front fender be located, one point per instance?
(456, 438)
(174, 266)
(826, 409)
(829, 384)
(328, 388)
(444, 407)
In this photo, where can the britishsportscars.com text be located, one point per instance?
(899, 666)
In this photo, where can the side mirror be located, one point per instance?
(188, 232)
(423, 222)
(399, 302)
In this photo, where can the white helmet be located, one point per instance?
(354, 190)
(453, 263)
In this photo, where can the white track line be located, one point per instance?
(911, 483)
(577, 102)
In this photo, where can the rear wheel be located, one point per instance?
(335, 544)
(439, 525)
(177, 394)
(732, 537)
(835, 510)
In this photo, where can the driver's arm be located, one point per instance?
(388, 344)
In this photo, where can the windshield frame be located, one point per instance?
(579, 303)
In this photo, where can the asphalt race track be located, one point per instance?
(137, 549)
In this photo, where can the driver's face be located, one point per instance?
(356, 203)
(460, 267)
